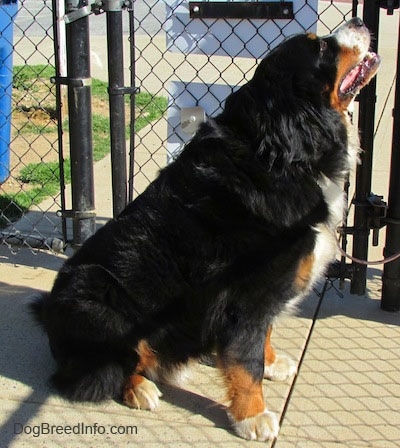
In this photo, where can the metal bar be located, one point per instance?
(59, 46)
(241, 10)
(391, 273)
(80, 126)
(34, 242)
(354, 8)
(366, 125)
(344, 268)
(117, 110)
(131, 178)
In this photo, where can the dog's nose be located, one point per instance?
(356, 22)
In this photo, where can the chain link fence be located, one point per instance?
(30, 181)
(189, 63)
(191, 71)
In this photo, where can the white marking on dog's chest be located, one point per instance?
(325, 249)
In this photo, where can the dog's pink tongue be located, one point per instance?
(350, 79)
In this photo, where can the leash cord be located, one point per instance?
(364, 262)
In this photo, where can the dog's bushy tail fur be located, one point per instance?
(93, 371)
(82, 380)
(36, 307)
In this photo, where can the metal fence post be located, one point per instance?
(391, 273)
(116, 92)
(364, 171)
(80, 124)
(132, 44)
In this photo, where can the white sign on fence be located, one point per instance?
(233, 38)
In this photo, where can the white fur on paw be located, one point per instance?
(143, 396)
(281, 369)
(174, 376)
(262, 427)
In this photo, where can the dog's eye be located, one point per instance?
(322, 47)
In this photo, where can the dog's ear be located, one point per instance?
(284, 142)
(303, 139)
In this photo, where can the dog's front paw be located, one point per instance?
(262, 427)
(141, 393)
(281, 369)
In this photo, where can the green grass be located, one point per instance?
(32, 128)
(44, 174)
(44, 178)
(25, 76)
(99, 89)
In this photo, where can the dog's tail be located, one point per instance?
(36, 306)
(83, 380)
(89, 337)
(91, 373)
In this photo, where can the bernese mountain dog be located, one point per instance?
(233, 232)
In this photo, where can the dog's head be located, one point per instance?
(294, 109)
(356, 65)
(331, 68)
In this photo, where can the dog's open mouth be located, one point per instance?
(360, 75)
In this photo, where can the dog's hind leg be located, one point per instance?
(277, 367)
(139, 392)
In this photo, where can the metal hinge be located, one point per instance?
(100, 6)
(72, 82)
(76, 214)
(377, 211)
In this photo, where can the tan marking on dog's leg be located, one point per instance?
(269, 352)
(147, 357)
(139, 392)
(244, 393)
(247, 410)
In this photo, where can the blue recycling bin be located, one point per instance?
(8, 12)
